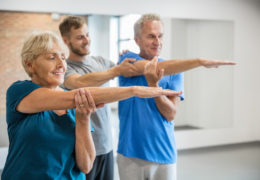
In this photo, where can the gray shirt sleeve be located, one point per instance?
(69, 71)
(105, 62)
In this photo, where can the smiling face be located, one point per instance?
(48, 68)
(78, 41)
(150, 39)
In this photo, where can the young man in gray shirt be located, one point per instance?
(85, 71)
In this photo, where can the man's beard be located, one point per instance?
(77, 51)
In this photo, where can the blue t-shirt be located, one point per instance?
(42, 145)
(144, 132)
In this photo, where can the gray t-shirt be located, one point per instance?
(100, 119)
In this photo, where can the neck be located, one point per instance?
(43, 84)
(75, 57)
(145, 56)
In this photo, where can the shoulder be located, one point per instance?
(129, 54)
(102, 61)
(17, 91)
(22, 86)
(97, 59)
(72, 63)
(177, 77)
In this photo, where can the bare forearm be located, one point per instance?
(171, 66)
(165, 107)
(112, 94)
(44, 99)
(47, 99)
(84, 146)
(177, 66)
(90, 79)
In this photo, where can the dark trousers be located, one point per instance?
(103, 168)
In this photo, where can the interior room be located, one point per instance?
(217, 125)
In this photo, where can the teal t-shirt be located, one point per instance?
(42, 145)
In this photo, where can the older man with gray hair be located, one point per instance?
(147, 148)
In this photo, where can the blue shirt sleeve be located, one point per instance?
(130, 81)
(128, 54)
(176, 83)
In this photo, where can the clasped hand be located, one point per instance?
(85, 104)
(152, 73)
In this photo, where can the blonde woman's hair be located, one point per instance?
(38, 43)
(144, 18)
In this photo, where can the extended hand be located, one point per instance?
(213, 63)
(149, 92)
(152, 74)
(123, 52)
(127, 68)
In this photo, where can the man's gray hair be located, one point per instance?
(144, 18)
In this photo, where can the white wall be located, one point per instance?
(246, 15)
(208, 93)
(98, 26)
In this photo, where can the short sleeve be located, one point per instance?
(176, 83)
(105, 62)
(69, 71)
(17, 91)
(111, 64)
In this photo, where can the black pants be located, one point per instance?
(103, 168)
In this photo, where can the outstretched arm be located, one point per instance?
(176, 66)
(126, 68)
(48, 99)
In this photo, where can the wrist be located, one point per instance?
(199, 61)
(133, 90)
(83, 121)
(115, 71)
(153, 84)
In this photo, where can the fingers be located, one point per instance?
(90, 101)
(226, 63)
(152, 65)
(161, 73)
(218, 63)
(84, 102)
(100, 105)
(149, 92)
(155, 59)
(168, 92)
(77, 100)
(214, 63)
(84, 99)
(154, 62)
(123, 52)
(129, 60)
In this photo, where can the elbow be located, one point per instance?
(88, 165)
(87, 168)
(170, 117)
